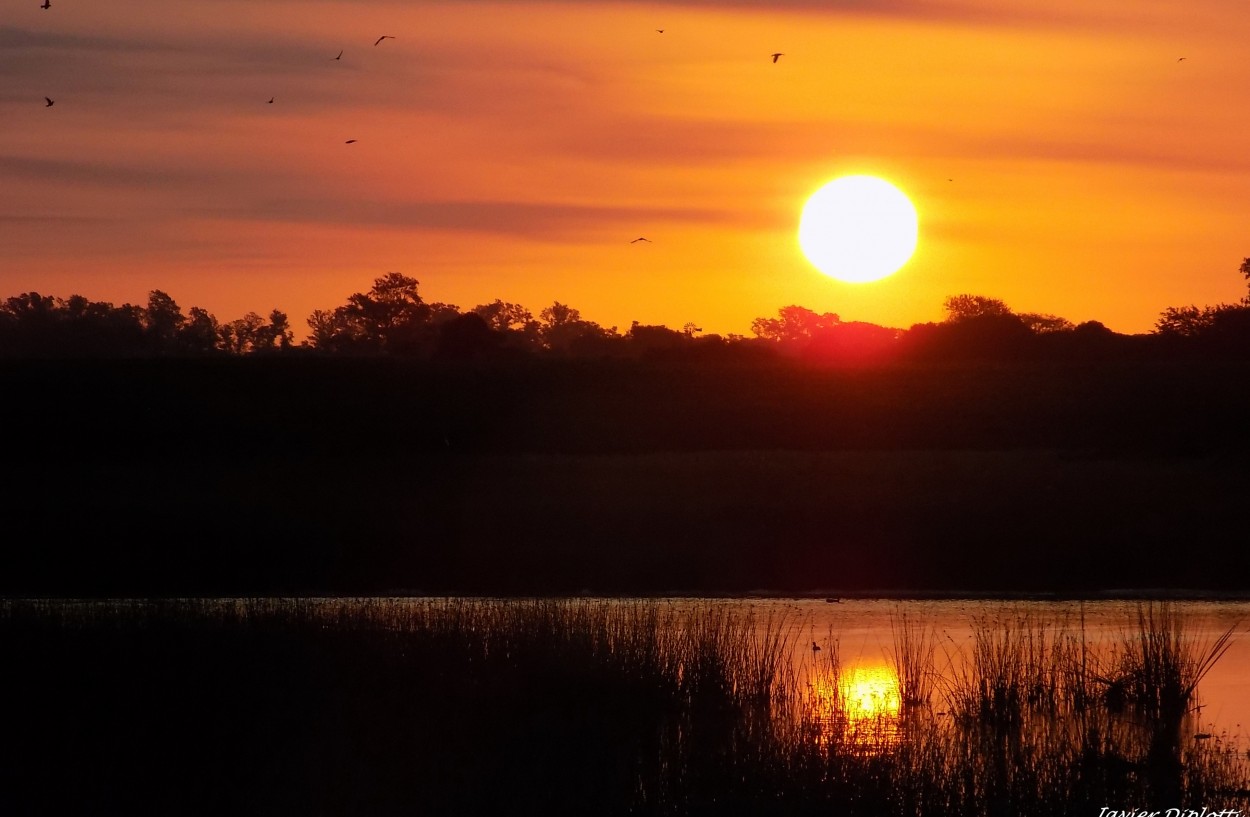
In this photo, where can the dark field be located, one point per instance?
(257, 476)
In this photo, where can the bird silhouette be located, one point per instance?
(349, 141)
(47, 4)
(660, 30)
(640, 238)
(49, 102)
(340, 56)
(1178, 59)
(815, 647)
(383, 37)
(775, 56)
(270, 102)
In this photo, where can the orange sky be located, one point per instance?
(512, 150)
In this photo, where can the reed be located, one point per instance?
(912, 655)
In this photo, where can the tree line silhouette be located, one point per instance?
(393, 319)
(410, 444)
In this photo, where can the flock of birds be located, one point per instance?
(49, 102)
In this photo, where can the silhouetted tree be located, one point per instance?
(324, 331)
(467, 337)
(652, 341)
(1185, 321)
(162, 322)
(564, 332)
(1041, 324)
(993, 317)
(390, 318)
(502, 316)
(1230, 329)
(515, 323)
(97, 329)
(276, 335)
(200, 334)
(963, 307)
(853, 342)
(35, 325)
(243, 336)
(32, 311)
(794, 324)
(988, 336)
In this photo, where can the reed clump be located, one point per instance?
(1161, 664)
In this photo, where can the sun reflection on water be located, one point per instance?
(870, 691)
(856, 704)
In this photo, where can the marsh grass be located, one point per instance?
(912, 655)
(1158, 671)
(457, 706)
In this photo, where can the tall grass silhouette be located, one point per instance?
(458, 706)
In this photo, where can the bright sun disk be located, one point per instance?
(858, 228)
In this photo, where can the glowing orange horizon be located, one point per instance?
(1062, 159)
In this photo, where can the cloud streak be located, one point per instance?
(485, 127)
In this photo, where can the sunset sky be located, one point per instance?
(1060, 154)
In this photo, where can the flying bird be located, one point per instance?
(775, 56)
(349, 141)
(270, 102)
(1178, 59)
(340, 56)
(660, 30)
(640, 238)
(383, 37)
(47, 4)
(49, 102)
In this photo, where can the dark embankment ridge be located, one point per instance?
(308, 475)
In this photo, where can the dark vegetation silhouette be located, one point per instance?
(572, 707)
(393, 319)
(411, 445)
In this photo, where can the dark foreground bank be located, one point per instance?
(338, 476)
(283, 707)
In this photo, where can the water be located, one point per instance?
(861, 633)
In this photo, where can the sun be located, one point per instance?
(858, 228)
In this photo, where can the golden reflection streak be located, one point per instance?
(870, 691)
(857, 704)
